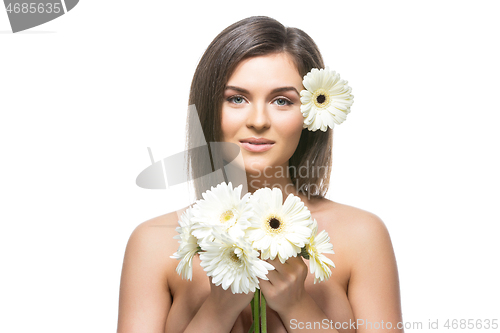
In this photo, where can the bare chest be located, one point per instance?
(188, 297)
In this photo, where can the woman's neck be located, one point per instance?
(271, 180)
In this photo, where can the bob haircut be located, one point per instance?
(251, 37)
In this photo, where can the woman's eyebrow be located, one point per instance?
(281, 89)
(285, 89)
(241, 90)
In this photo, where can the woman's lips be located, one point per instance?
(257, 145)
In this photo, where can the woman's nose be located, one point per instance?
(259, 117)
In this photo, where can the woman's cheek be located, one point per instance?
(229, 125)
(293, 127)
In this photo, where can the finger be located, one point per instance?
(296, 266)
(265, 285)
(298, 260)
(275, 277)
(289, 266)
(278, 266)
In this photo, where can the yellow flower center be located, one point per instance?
(274, 224)
(234, 258)
(321, 98)
(226, 216)
(310, 248)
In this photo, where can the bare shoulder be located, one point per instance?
(337, 216)
(151, 244)
(165, 220)
(352, 229)
(364, 259)
(156, 233)
(145, 297)
(363, 244)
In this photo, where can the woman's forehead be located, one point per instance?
(277, 69)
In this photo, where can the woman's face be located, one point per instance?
(261, 111)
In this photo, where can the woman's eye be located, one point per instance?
(236, 99)
(282, 102)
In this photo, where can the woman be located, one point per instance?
(247, 91)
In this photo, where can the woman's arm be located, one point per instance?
(144, 294)
(219, 311)
(285, 294)
(373, 289)
(145, 299)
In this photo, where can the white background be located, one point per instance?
(83, 96)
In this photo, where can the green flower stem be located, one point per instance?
(263, 316)
(252, 307)
(256, 305)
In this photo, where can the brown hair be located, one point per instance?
(250, 37)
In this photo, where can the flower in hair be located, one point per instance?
(326, 101)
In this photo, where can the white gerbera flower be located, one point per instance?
(319, 264)
(327, 100)
(188, 245)
(277, 228)
(221, 206)
(233, 262)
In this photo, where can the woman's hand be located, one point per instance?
(285, 288)
(227, 301)
(285, 294)
(219, 311)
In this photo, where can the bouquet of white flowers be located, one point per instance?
(235, 235)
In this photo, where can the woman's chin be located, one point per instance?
(257, 166)
(266, 168)
(254, 170)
